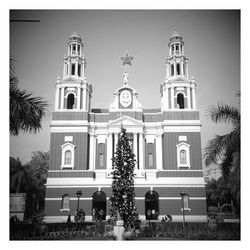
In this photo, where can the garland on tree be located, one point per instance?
(123, 194)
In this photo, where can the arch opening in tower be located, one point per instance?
(70, 101)
(180, 101)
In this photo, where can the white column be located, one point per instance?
(193, 98)
(84, 99)
(109, 151)
(188, 98)
(62, 97)
(76, 69)
(159, 152)
(57, 99)
(141, 152)
(172, 97)
(175, 73)
(91, 152)
(67, 73)
(135, 150)
(166, 97)
(182, 67)
(167, 73)
(116, 140)
(78, 97)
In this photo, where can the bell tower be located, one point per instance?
(177, 91)
(73, 92)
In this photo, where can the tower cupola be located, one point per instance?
(177, 91)
(74, 62)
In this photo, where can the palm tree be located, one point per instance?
(21, 177)
(26, 111)
(224, 150)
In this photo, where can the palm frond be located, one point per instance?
(26, 112)
(224, 113)
(226, 165)
(213, 152)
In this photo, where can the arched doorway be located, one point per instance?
(70, 101)
(151, 205)
(99, 205)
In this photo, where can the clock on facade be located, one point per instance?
(125, 98)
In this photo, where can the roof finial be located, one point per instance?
(126, 60)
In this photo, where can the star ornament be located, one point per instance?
(127, 59)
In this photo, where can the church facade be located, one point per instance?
(166, 142)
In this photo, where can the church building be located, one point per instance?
(166, 142)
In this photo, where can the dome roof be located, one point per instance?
(175, 34)
(75, 36)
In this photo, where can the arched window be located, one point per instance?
(180, 101)
(67, 160)
(68, 157)
(70, 101)
(65, 202)
(151, 205)
(183, 157)
(99, 205)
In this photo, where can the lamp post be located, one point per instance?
(183, 196)
(149, 216)
(78, 195)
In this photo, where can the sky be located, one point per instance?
(212, 43)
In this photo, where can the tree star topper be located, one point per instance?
(127, 59)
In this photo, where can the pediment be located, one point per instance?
(125, 121)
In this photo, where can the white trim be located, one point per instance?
(72, 171)
(176, 218)
(67, 147)
(181, 122)
(65, 209)
(108, 186)
(186, 209)
(139, 182)
(69, 122)
(69, 129)
(183, 147)
(71, 199)
(182, 129)
(70, 92)
(137, 198)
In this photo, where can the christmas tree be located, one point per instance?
(123, 197)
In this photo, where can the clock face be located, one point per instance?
(125, 98)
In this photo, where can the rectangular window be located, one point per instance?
(177, 49)
(74, 49)
(73, 69)
(185, 202)
(184, 68)
(79, 70)
(178, 68)
(150, 160)
(172, 49)
(183, 157)
(78, 49)
(101, 160)
(130, 137)
(172, 69)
